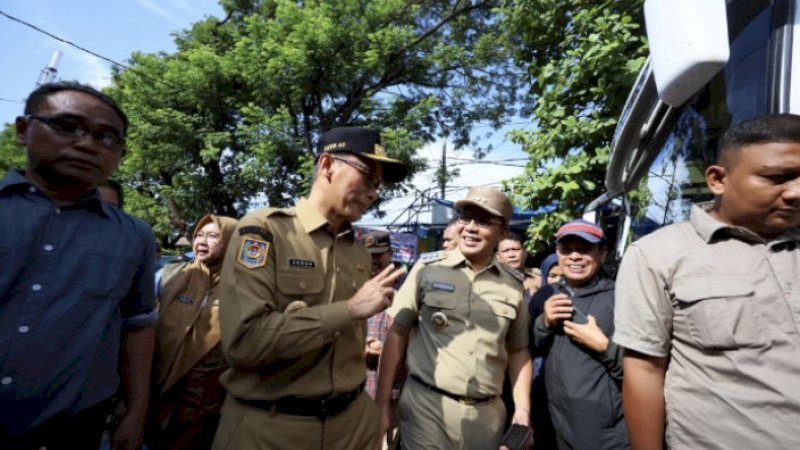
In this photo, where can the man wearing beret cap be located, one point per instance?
(296, 291)
(470, 325)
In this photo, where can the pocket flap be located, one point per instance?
(701, 288)
(293, 284)
(439, 299)
(503, 309)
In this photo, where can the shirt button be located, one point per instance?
(23, 329)
(31, 189)
(36, 287)
(338, 269)
(336, 335)
(48, 247)
(58, 210)
(6, 381)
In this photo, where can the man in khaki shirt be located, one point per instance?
(295, 293)
(708, 310)
(470, 324)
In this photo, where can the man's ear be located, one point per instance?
(21, 125)
(325, 166)
(715, 179)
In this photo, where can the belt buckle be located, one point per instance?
(323, 407)
(467, 401)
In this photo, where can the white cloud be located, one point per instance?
(154, 7)
(92, 70)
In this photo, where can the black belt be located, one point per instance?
(310, 407)
(458, 398)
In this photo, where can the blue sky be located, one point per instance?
(117, 28)
(112, 28)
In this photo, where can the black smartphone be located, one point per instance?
(517, 436)
(577, 316)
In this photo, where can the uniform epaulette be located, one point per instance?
(279, 211)
(519, 276)
(427, 258)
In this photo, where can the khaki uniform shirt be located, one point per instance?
(466, 323)
(724, 306)
(285, 327)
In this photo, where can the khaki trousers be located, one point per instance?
(431, 421)
(245, 427)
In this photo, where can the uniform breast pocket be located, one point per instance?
(503, 312)
(438, 309)
(303, 287)
(720, 312)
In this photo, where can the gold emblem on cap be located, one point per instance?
(379, 150)
(439, 320)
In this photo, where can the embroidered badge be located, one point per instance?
(430, 257)
(253, 253)
(439, 286)
(302, 263)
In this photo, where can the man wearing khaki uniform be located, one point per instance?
(470, 324)
(708, 310)
(295, 293)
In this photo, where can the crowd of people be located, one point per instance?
(286, 331)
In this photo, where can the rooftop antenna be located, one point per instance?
(49, 73)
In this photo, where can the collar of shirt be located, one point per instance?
(456, 258)
(312, 220)
(16, 180)
(710, 228)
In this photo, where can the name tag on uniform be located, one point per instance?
(439, 286)
(294, 262)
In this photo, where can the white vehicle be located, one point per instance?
(712, 63)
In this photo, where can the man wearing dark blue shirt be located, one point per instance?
(76, 288)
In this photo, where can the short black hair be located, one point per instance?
(116, 187)
(38, 96)
(511, 236)
(759, 130)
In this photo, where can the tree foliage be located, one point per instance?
(234, 114)
(582, 58)
(12, 155)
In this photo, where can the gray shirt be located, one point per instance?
(72, 279)
(723, 305)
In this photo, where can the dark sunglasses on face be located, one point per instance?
(371, 179)
(77, 128)
(482, 221)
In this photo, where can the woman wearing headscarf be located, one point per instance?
(187, 396)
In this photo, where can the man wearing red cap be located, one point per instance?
(583, 368)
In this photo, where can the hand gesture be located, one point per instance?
(376, 294)
(557, 309)
(588, 335)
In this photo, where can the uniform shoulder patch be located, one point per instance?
(279, 212)
(253, 253)
(427, 258)
(519, 276)
(258, 231)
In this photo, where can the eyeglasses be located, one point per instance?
(77, 128)
(209, 237)
(482, 221)
(371, 179)
(580, 246)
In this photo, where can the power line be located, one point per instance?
(10, 101)
(70, 43)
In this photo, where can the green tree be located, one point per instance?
(12, 155)
(234, 113)
(582, 58)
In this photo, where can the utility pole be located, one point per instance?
(443, 169)
(49, 73)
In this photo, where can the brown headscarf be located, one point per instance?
(188, 325)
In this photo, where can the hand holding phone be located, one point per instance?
(517, 437)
